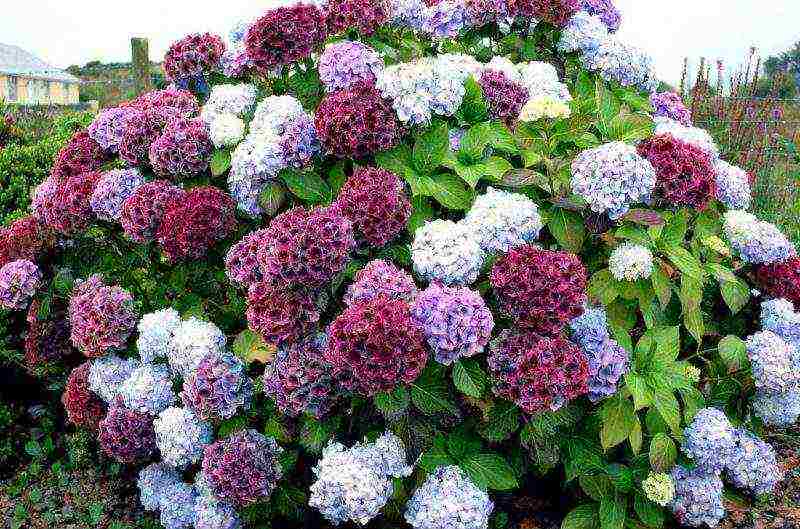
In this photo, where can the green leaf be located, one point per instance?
(668, 346)
(685, 262)
(307, 186)
(524, 178)
(568, 229)
(396, 160)
(617, 417)
(635, 437)
(393, 403)
(662, 286)
(429, 393)
(667, 405)
(612, 513)
(474, 142)
(490, 471)
(462, 442)
(473, 107)
(584, 516)
(604, 287)
(503, 140)
(736, 294)
(675, 231)
(693, 321)
(642, 396)
(663, 452)
(272, 198)
(596, 486)
(545, 426)
(450, 192)
(733, 352)
(648, 512)
(337, 178)
(469, 378)
(431, 148)
(630, 127)
(315, 434)
(220, 162)
(422, 211)
(436, 456)
(501, 421)
(250, 347)
(495, 168)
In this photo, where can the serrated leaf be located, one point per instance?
(450, 192)
(584, 516)
(733, 352)
(250, 347)
(662, 286)
(469, 378)
(644, 217)
(307, 186)
(666, 403)
(396, 160)
(473, 107)
(648, 512)
(436, 456)
(421, 212)
(220, 162)
(272, 197)
(596, 486)
(315, 434)
(675, 230)
(663, 452)
(501, 421)
(693, 321)
(635, 437)
(630, 127)
(495, 168)
(736, 294)
(429, 392)
(462, 442)
(612, 513)
(685, 262)
(568, 229)
(543, 427)
(718, 245)
(430, 148)
(503, 140)
(490, 471)
(617, 417)
(337, 178)
(392, 403)
(474, 142)
(642, 396)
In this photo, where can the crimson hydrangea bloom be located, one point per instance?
(25, 238)
(356, 122)
(243, 468)
(781, 280)
(181, 100)
(182, 150)
(143, 211)
(537, 373)
(685, 173)
(71, 210)
(193, 56)
(374, 200)
(504, 98)
(101, 317)
(362, 15)
(375, 346)
(81, 155)
(241, 262)
(285, 35)
(196, 221)
(126, 435)
(47, 339)
(306, 248)
(84, 408)
(281, 316)
(541, 289)
(555, 12)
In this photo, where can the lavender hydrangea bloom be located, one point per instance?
(107, 374)
(236, 99)
(612, 177)
(631, 262)
(235, 59)
(300, 142)
(108, 127)
(111, 191)
(181, 436)
(583, 32)
(218, 388)
(757, 242)
(407, 13)
(19, 281)
(153, 480)
(211, 513)
(695, 136)
(345, 63)
(777, 409)
(448, 252)
(606, 10)
(455, 321)
(192, 340)
(616, 61)
(608, 361)
(148, 389)
(733, 186)
(445, 19)
(502, 220)
(177, 506)
(449, 499)
(670, 105)
(698, 497)
(755, 466)
(155, 334)
(779, 316)
(380, 277)
(254, 164)
(709, 440)
(775, 363)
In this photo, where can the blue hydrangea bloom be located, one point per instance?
(757, 242)
(698, 497)
(779, 316)
(148, 389)
(255, 163)
(181, 436)
(445, 19)
(211, 513)
(625, 64)
(733, 186)
(502, 220)
(709, 440)
(777, 409)
(608, 361)
(155, 334)
(111, 191)
(177, 506)
(583, 33)
(755, 467)
(153, 480)
(775, 362)
(107, 374)
(448, 252)
(449, 500)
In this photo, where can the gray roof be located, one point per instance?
(16, 61)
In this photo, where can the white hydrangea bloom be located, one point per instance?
(107, 374)
(181, 436)
(757, 242)
(631, 262)
(449, 500)
(274, 113)
(733, 186)
(236, 99)
(541, 79)
(148, 389)
(225, 130)
(502, 220)
(192, 340)
(155, 334)
(448, 252)
(544, 107)
(695, 136)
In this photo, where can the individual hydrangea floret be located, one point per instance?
(107, 374)
(502, 220)
(375, 202)
(775, 363)
(143, 211)
(155, 334)
(111, 192)
(236, 99)
(193, 57)
(153, 480)
(692, 135)
(612, 178)
(19, 281)
(282, 316)
(631, 262)
(605, 9)
(537, 373)
(781, 280)
(622, 63)
(101, 317)
(126, 435)
(758, 242)
(608, 361)
(84, 408)
(243, 468)
(191, 341)
(709, 440)
(345, 63)
(181, 436)
(659, 488)
(380, 277)
(541, 290)
(224, 129)
(733, 186)
(241, 261)
(210, 513)
(148, 389)
(455, 320)
(698, 497)
(218, 388)
(299, 378)
(583, 32)
(109, 126)
(670, 105)
(285, 35)
(177, 506)
(779, 316)
(449, 499)
(447, 252)
(183, 150)
(376, 345)
(754, 466)
(777, 409)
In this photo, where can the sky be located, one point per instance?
(65, 33)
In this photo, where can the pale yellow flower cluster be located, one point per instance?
(544, 107)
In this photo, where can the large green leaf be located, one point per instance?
(648, 512)
(617, 417)
(396, 160)
(584, 516)
(736, 294)
(490, 471)
(307, 186)
(220, 162)
(733, 352)
(475, 141)
(663, 452)
(612, 512)
(469, 378)
(429, 392)
(250, 347)
(392, 403)
(685, 262)
(431, 148)
(450, 192)
(501, 421)
(568, 229)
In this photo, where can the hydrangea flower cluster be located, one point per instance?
(213, 514)
(631, 262)
(236, 99)
(616, 61)
(143, 211)
(537, 373)
(758, 242)
(68, 208)
(447, 252)
(775, 363)
(605, 9)
(554, 12)
(584, 32)
(19, 281)
(181, 436)
(455, 321)
(779, 317)
(378, 342)
(177, 506)
(111, 192)
(501, 220)
(280, 315)
(218, 388)
(380, 278)
(756, 468)
(47, 340)
(692, 135)
(504, 98)
(670, 105)
(241, 261)
(224, 130)
(235, 61)
(108, 127)
(153, 481)
(80, 155)
(659, 488)
(101, 317)
(541, 290)
(612, 178)
(781, 280)
(733, 186)
(84, 408)
(544, 107)
(255, 163)
(709, 440)
(193, 57)
(107, 374)
(148, 389)
(127, 435)
(285, 35)
(191, 341)
(375, 202)
(608, 361)
(155, 334)
(362, 15)
(698, 497)
(183, 150)
(448, 498)
(142, 130)
(345, 63)
(25, 238)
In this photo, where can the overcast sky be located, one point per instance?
(65, 33)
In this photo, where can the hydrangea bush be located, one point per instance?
(471, 240)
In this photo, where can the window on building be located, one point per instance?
(11, 88)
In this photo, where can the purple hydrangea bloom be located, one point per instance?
(345, 63)
(101, 317)
(775, 362)
(608, 361)
(582, 33)
(407, 13)
(670, 105)
(755, 466)
(218, 388)
(109, 126)
(177, 506)
(19, 281)
(211, 513)
(449, 499)
(698, 497)
(777, 409)
(380, 277)
(445, 19)
(709, 440)
(455, 321)
(606, 10)
(779, 316)
(300, 142)
(153, 481)
(111, 191)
